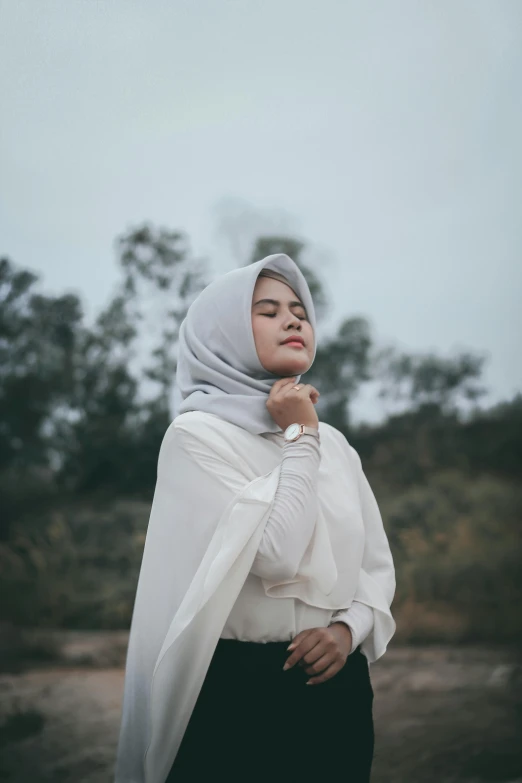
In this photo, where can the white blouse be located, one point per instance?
(257, 617)
(206, 545)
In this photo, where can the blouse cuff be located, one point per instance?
(359, 619)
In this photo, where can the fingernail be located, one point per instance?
(286, 666)
(290, 646)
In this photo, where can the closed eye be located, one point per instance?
(273, 315)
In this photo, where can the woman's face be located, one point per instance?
(277, 317)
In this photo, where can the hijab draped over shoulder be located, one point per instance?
(216, 483)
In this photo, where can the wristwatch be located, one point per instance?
(294, 431)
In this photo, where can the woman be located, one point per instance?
(266, 566)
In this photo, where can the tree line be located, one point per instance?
(84, 406)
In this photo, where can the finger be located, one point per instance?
(303, 390)
(300, 648)
(282, 382)
(308, 390)
(328, 673)
(305, 646)
(318, 666)
(285, 381)
(298, 638)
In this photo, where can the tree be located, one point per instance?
(38, 340)
(427, 379)
(160, 280)
(341, 365)
(126, 367)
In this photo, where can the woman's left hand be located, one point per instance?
(322, 652)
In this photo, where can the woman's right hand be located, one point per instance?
(287, 405)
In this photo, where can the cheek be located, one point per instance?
(262, 334)
(308, 334)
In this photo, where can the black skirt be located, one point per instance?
(254, 722)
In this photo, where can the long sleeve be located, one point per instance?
(358, 618)
(376, 585)
(290, 525)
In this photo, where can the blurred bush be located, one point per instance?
(84, 406)
(458, 550)
(76, 567)
(456, 545)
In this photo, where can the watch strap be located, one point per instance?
(309, 430)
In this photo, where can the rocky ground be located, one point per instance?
(442, 715)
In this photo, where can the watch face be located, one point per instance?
(292, 431)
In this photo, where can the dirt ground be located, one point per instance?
(442, 715)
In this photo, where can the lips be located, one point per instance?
(293, 340)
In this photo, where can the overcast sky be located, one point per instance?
(386, 134)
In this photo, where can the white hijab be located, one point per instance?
(218, 367)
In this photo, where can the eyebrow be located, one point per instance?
(277, 303)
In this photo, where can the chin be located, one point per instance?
(290, 368)
(286, 363)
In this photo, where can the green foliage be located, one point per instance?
(84, 407)
(160, 280)
(409, 447)
(341, 365)
(427, 379)
(74, 567)
(457, 546)
(38, 341)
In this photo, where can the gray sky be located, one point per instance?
(387, 134)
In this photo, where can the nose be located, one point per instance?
(292, 322)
